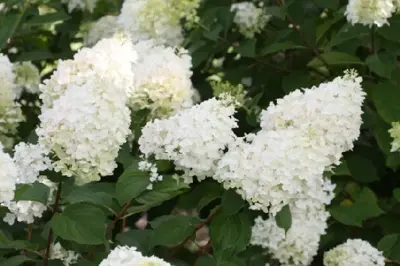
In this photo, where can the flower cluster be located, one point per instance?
(371, 12)
(157, 19)
(80, 4)
(249, 18)
(162, 79)
(355, 252)
(68, 257)
(8, 176)
(300, 243)
(194, 139)
(123, 255)
(84, 117)
(25, 210)
(27, 77)
(395, 134)
(105, 27)
(10, 111)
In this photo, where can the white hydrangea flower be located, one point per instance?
(152, 168)
(395, 134)
(369, 12)
(124, 255)
(354, 252)
(25, 210)
(249, 18)
(88, 5)
(157, 19)
(105, 27)
(300, 243)
(301, 137)
(8, 176)
(162, 79)
(30, 159)
(85, 119)
(195, 138)
(10, 111)
(68, 257)
(27, 77)
(329, 114)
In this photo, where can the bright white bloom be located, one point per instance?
(123, 255)
(301, 137)
(157, 19)
(195, 138)
(162, 79)
(355, 252)
(329, 114)
(395, 134)
(369, 12)
(85, 119)
(152, 168)
(8, 176)
(26, 211)
(7, 79)
(249, 18)
(30, 159)
(105, 27)
(68, 257)
(27, 77)
(80, 4)
(300, 244)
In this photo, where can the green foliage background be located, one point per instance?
(307, 42)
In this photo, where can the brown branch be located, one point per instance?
(392, 261)
(28, 236)
(50, 237)
(117, 217)
(197, 227)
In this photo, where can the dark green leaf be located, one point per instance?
(131, 183)
(390, 245)
(34, 192)
(284, 218)
(15, 261)
(82, 223)
(385, 96)
(382, 64)
(335, 58)
(396, 194)
(9, 23)
(49, 18)
(279, 46)
(247, 48)
(362, 169)
(141, 239)
(99, 194)
(232, 203)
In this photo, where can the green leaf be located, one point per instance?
(201, 195)
(48, 18)
(9, 23)
(232, 203)
(284, 218)
(206, 261)
(82, 223)
(35, 56)
(214, 33)
(34, 192)
(15, 261)
(362, 169)
(364, 208)
(348, 32)
(247, 48)
(171, 230)
(230, 233)
(383, 64)
(99, 194)
(335, 58)
(342, 169)
(391, 32)
(141, 239)
(396, 194)
(162, 191)
(279, 46)
(124, 156)
(390, 245)
(295, 80)
(331, 4)
(385, 97)
(131, 183)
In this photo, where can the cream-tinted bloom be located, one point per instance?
(157, 19)
(162, 79)
(395, 134)
(68, 257)
(27, 77)
(355, 252)
(105, 27)
(195, 138)
(249, 18)
(88, 5)
(123, 256)
(8, 176)
(369, 12)
(85, 119)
